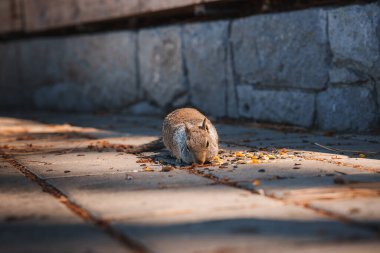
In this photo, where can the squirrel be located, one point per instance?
(190, 136)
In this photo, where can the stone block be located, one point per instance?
(352, 36)
(279, 106)
(144, 108)
(282, 49)
(161, 70)
(42, 61)
(11, 91)
(181, 101)
(63, 97)
(345, 76)
(378, 93)
(347, 109)
(87, 72)
(106, 65)
(206, 64)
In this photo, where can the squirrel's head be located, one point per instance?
(198, 141)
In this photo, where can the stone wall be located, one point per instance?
(315, 68)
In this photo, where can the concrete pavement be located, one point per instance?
(68, 184)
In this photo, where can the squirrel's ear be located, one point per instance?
(205, 124)
(187, 128)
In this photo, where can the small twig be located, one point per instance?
(345, 150)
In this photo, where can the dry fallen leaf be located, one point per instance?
(166, 168)
(144, 160)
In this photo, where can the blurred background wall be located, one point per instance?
(313, 64)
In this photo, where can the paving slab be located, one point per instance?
(282, 169)
(249, 235)
(364, 210)
(34, 221)
(150, 193)
(79, 163)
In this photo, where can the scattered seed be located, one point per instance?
(254, 160)
(144, 160)
(148, 169)
(256, 182)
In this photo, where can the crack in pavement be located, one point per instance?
(86, 215)
(332, 215)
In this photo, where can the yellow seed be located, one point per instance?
(256, 182)
(217, 159)
(148, 169)
(239, 154)
(254, 160)
(249, 155)
(362, 155)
